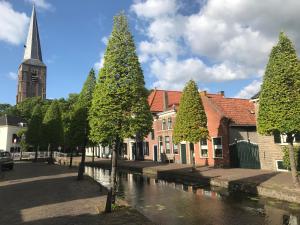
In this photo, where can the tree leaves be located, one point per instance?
(191, 121)
(279, 102)
(119, 107)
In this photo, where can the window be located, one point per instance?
(282, 138)
(203, 148)
(146, 148)
(218, 151)
(169, 123)
(175, 149)
(15, 138)
(34, 76)
(163, 127)
(152, 135)
(167, 141)
(280, 166)
(125, 148)
(160, 144)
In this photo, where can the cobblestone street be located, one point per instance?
(37, 193)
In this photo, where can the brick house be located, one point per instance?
(229, 119)
(270, 146)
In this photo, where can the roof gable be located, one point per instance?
(239, 111)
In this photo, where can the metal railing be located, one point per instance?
(31, 155)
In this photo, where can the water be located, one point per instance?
(176, 204)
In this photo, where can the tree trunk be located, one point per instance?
(50, 161)
(93, 157)
(108, 201)
(81, 165)
(114, 160)
(192, 152)
(139, 148)
(36, 153)
(71, 158)
(292, 160)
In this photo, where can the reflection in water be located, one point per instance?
(172, 203)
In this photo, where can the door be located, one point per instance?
(183, 153)
(244, 154)
(155, 153)
(133, 150)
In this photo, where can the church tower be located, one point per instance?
(32, 71)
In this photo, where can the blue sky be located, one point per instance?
(223, 45)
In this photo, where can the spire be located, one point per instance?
(33, 45)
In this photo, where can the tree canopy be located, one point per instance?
(52, 125)
(279, 101)
(191, 121)
(79, 127)
(34, 130)
(119, 107)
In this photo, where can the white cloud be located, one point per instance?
(104, 40)
(13, 24)
(12, 76)
(41, 4)
(153, 8)
(250, 90)
(98, 65)
(223, 40)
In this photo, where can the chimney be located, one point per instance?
(165, 100)
(222, 93)
(203, 93)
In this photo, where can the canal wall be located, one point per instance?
(257, 182)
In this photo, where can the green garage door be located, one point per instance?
(244, 154)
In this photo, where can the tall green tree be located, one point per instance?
(191, 121)
(119, 107)
(26, 107)
(34, 131)
(53, 128)
(4, 108)
(279, 101)
(79, 128)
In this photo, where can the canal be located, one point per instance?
(170, 203)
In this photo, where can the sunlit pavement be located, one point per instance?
(37, 193)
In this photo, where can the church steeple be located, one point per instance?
(33, 45)
(32, 73)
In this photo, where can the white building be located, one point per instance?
(104, 152)
(9, 127)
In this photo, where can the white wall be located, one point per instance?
(6, 134)
(3, 137)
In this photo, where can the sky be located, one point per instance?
(222, 44)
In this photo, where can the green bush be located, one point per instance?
(286, 157)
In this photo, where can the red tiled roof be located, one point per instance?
(156, 99)
(239, 111)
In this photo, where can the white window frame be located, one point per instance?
(217, 146)
(283, 140)
(277, 169)
(169, 122)
(170, 149)
(177, 149)
(163, 124)
(204, 147)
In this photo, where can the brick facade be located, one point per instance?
(221, 120)
(31, 81)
